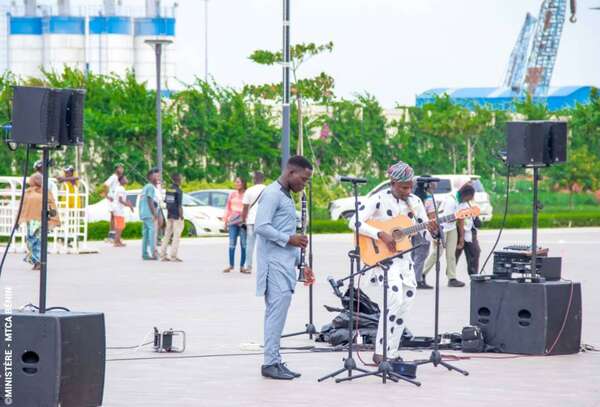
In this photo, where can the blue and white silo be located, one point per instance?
(110, 46)
(64, 42)
(25, 45)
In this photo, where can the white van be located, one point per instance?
(344, 208)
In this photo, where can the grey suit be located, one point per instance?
(276, 261)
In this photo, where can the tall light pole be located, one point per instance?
(205, 40)
(157, 44)
(285, 108)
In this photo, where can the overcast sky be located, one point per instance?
(393, 49)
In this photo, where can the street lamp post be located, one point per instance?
(205, 40)
(157, 44)
(285, 108)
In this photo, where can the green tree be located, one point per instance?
(318, 89)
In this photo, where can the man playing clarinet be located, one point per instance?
(278, 255)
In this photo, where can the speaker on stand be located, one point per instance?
(51, 359)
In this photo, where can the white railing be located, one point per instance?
(69, 237)
(10, 197)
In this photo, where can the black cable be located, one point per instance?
(30, 305)
(16, 225)
(503, 220)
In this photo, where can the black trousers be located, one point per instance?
(472, 252)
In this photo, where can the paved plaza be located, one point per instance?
(220, 314)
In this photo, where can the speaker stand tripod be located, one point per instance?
(384, 370)
(436, 357)
(44, 229)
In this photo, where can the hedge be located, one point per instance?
(546, 220)
(133, 230)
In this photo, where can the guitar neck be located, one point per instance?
(422, 226)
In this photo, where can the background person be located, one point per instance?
(121, 202)
(175, 221)
(149, 215)
(108, 191)
(419, 255)
(235, 226)
(31, 215)
(453, 239)
(71, 183)
(38, 167)
(250, 201)
(471, 247)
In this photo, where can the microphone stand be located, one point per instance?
(436, 358)
(354, 256)
(384, 370)
(310, 328)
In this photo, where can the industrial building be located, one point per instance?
(504, 98)
(108, 38)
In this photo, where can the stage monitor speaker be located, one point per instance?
(56, 359)
(534, 143)
(47, 117)
(526, 318)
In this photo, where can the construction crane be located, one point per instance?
(532, 60)
(518, 58)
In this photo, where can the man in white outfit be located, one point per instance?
(402, 284)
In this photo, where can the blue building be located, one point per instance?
(504, 98)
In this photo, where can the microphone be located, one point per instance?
(428, 179)
(336, 287)
(347, 178)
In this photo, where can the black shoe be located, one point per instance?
(422, 285)
(284, 367)
(275, 372)
(455, 283)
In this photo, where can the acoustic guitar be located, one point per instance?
(401, 228)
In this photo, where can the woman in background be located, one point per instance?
(234, 224)
(31, 215)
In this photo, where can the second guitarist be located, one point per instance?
(384, 205)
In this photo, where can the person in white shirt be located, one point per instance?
(453, 239)
(250, 202)
(471, 248)
(110, 185)
(120, 203)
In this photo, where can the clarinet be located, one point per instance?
(302, 265)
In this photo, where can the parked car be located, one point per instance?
(201, 219)
(449, 184)
(217, 198)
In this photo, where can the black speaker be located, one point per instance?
(47, 117)
(35, 116)
(527, 318)
(71, 120)
(532, 143)
(56, 358)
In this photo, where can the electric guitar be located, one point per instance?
(401, 228)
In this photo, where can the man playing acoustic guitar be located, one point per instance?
(384, 205)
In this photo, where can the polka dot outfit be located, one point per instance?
(401, 276)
